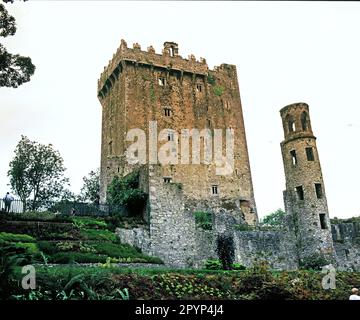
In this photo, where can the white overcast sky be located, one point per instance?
(285, 52)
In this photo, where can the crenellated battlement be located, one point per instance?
(169, 59)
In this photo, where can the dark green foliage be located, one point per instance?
(48, 247)
(213, 265)
(14, 69)
(210, 79)
(274, 219)
(100, 235)
(125, 192)
(82, 222)
(238, 266)
(36, 216)
(90, 192)
(203, 220)
(243, 227)
(117, 250)
(256, 283)
(313, 262)
(12, 237)
(217, 265)
(37, 170)
(219, 90)
(225, 250)
(259, 283)
(79, 257)
(11, 256)
(125, 222)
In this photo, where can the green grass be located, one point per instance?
(13, 237)
(117, 250)
(89, 222)
(87, 241)
(29, 247)
(79, 257)
(100, 235)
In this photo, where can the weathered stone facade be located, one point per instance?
(305, 198)
(141, 86)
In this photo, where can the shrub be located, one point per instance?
(124, 253)
(275, 219)
(203, 220)
(82, 222)
(79, 257)
(225, 250)
(238, 266)
(125, 192)
(11, 256)
(243, 227)
(12, 237)
(117, 250)
(28, 247)
(217, 265)
(218, 90)
(213, 265)
(313, 262)
(101, 235)
(211, 80)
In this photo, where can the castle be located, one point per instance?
(184, 101)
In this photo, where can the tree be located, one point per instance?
(274, 219)
(125, 192)
(37, 172)
(14, 69)
(225, 250)
(90, 192)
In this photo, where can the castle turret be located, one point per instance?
(305, 197)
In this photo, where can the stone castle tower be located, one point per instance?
(142, 87)
(305, 197)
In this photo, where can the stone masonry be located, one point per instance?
(305, 198)
(141, 86)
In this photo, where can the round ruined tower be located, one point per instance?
(304, 197)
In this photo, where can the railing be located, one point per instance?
(65, 207)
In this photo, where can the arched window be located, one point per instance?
(304, 121)
(290, 123)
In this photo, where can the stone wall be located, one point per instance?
(132, 94)
(346, 238)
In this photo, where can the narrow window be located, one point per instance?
(323, 221)
(318, 189)
(300, 192)
(167, 112)
(309, 154)
(208, 122)
(291, 125)
(346, 251)
(293, 157)
(171, 136)
(110, 148)
(162, 81)
(198, 87)
(304, 121)
(214, 189)
(167, 179)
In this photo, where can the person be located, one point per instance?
(7, 200)
(354, 295)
